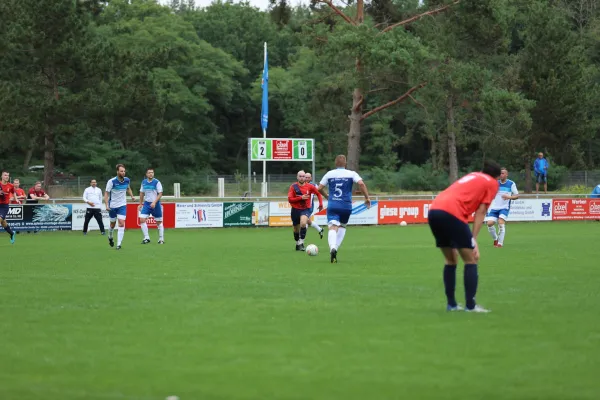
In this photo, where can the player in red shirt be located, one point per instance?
(20, 195)
(448, 219)
(7, 191)
(37, 193)
(299, 197)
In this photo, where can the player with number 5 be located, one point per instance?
(339, 182)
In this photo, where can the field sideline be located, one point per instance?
(238, 314)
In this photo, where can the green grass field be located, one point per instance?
(238, 314)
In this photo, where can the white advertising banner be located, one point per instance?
(530, 210)
(361, 215)
(280, 213)
(79, 218)
(199, 215)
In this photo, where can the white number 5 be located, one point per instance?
(338, 190)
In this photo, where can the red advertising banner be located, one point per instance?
(409, 211)
(575, 209)
(282, 149)
(133, 218)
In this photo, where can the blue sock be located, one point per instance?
(471, 279)
(450, 283)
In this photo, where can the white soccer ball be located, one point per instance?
(403, 223)
(312, 250)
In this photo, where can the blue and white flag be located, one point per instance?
(264, 120)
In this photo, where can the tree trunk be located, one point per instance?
(452, 154)
(28, 155)
(354, 133)
(434, 157)
(49, 146)
(528, 182)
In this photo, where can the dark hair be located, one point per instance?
(5, 171)
(149, 169)
(491, 168)
(119, 166)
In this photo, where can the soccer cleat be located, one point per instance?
(13, 237)
(118, 247)
(499, 245)
(103, 233)
(301, 247)
(495, 243)
(333, 254)
(84, 233)
(477, 309)
(457, 307)
(145, 241)
(161, 242)
(297, 247)
(321, 233)
(111, 242)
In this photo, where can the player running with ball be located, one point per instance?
(299, 197)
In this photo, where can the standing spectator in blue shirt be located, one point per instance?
(540, 167)
(595, 193)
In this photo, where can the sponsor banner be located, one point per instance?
(282, 149)
(575, 209)
(280, 213)
(238, 214)
(530, 210)
(260, 214)
(361, 215)
(199, 215)
(79, 218)
(40, 217)
(397, 211)
(133, 216)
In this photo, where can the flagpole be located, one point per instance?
(264, 116)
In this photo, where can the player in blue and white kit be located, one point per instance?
(313, 224)
(498, 211)
(115, 199)
(339, 182)
(150, 194)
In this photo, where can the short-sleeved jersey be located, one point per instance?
(151, 189)
(18, 192)
(339, 183)
(117, 192)
(7, 192)
(296, 200)
(507, 187)
(464, 196)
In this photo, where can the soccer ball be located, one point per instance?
(403, 223)
(312, 250)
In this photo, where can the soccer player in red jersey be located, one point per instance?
(7, 191)
(448, 219)
(299, 197)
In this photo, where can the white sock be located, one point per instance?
(340, 236)
(144, 227)
(332, 239)
(161, 232)
(492, 230)
(502, 233)
(120, 234)
(110, 232)
(301, 241)
(316, 226)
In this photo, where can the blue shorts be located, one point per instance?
(494, 215)
(297, 213)
(450, 231)
(156, 212)
(117, 212)
(541, 178)
(338, 216)
(3, 210)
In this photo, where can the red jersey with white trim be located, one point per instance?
(6, 192)
(464, 196)
(297, 201)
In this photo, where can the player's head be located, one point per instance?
(340, 161)
(16, 183)
(150, 173)
(38, 185)
(503, 174)
(5, 176)
(93, 183)
(492, 169)
(540, 155)
(120, 170)
(308, 177)
(301, 176)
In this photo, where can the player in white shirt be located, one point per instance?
(150, 194)
(92, 197)
(115, 199)
(500, 207)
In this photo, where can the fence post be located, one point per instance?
(585, 178)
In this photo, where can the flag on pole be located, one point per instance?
(264, 120)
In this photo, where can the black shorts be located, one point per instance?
(3, 210)
(450, 231)
(297, 213)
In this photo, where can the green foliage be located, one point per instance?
(575, 189)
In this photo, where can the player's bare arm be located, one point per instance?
(142, 195)
(131, 193)
(106, 201)
(158, 197)
(510, 197)
(363, 189)
(319, 196)
(321, 190)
